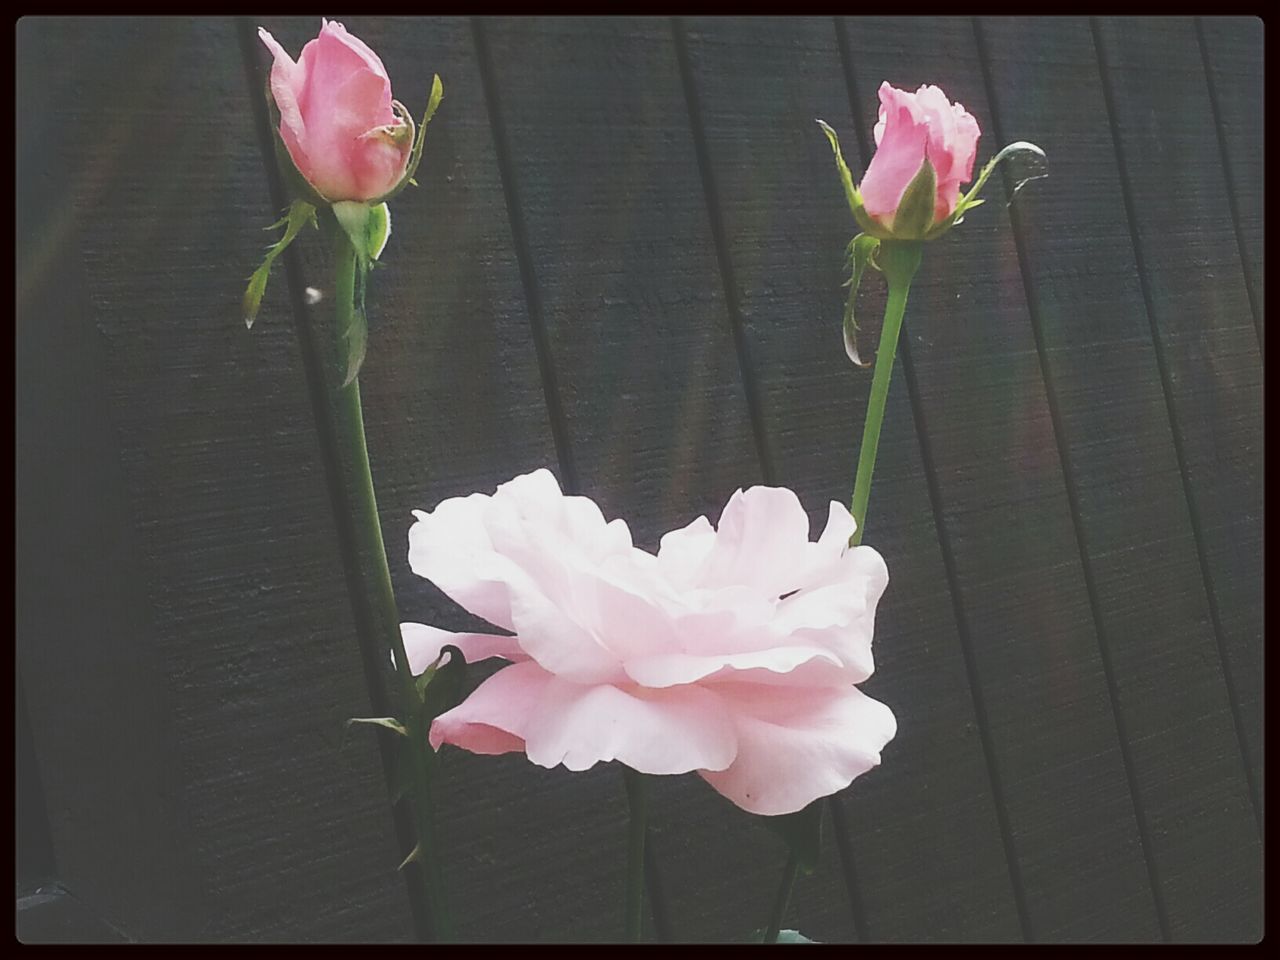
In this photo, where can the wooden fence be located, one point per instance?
(624, 262)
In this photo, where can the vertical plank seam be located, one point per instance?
(1166, 384)
(1233, 201)
(524, 257)
(372, 662)
(728, 280)
(546, 366)
(750, 386)
(944, 543)
(1072, 491)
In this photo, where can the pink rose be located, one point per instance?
(733, 652)
(345, 134)
(914, 127)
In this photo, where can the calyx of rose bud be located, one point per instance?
(915, 217)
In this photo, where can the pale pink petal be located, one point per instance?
(450, 546)
(423, 644)
(683, 553)
(796, 745)
(551, 634)
(835, 535)
(761, 542)
(652, 731)
(669, 731)
(494, 718)
(671, 669)
(287, 79)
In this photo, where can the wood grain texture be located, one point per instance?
(622, 254)
(1139, 542)
(1198, 302)
(217, 690)
(929, 857)
(1006, 513)
(1234, 60)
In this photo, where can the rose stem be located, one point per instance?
(784, 896)
(898, 260)
(638, 802)
(372, 595)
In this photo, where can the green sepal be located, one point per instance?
(862, 251)
(442, 685)
(970, 199)
(300, 214)
(846, 178)
(871, 225)
(415, 158)
(368, 227)
(914, 216)
(367, 224)
(390, 723)
(802, 832)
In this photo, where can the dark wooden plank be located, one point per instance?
(1197, 299)
(622, 254)
(1140, 545)
(1232, 47)
(1007, 518)
(218, 693)
(52, 914)
(926, 839)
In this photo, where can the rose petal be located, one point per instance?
(651, 731)
(671, 669)
(796, 745)
(761, 541)
(287, 79)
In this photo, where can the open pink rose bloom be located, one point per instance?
(911, 128)
(733, 652)
(336, 116)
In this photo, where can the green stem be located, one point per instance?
(376, 604)
(899, 260)
(783, 898)
(638, 801)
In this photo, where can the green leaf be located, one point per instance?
(391, 723)
(914, 215)
(300, 214)
(862, 250)
(846, 178)
(415, 158)
(802, 832)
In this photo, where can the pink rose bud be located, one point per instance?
(915, 129)
(344, 133)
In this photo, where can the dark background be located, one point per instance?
(624, 262)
